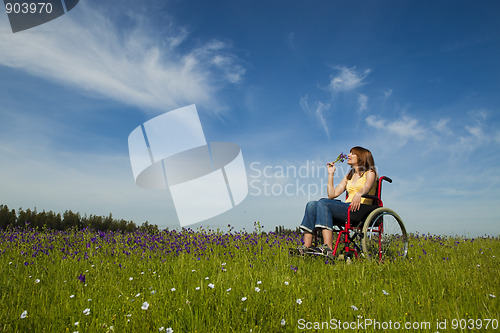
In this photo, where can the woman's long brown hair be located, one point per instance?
(365, 161)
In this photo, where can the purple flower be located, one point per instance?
(340, 158)
(81, 278)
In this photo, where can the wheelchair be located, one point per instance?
(373, 232)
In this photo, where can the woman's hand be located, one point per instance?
(331, 168)
(356, 202)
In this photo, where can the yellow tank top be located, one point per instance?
(354, 187)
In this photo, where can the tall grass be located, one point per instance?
(210, 281)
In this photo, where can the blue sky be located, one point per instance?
(293, 83)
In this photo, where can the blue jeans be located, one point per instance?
(324, 213)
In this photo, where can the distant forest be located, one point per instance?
(38, 220)
(33, 219)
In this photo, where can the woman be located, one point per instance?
(326, 213)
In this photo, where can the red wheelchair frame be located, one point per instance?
(381, 231)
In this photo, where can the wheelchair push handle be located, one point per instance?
(386, 179)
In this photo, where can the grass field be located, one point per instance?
(210, 281)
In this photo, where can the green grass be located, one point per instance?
(444, 278)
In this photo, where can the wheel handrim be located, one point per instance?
(385, 237)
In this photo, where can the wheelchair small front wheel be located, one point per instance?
(384, 236)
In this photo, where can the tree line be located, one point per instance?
(34, 219)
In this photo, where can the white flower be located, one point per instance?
(491, 295)
(153, 292)
(145, 306)
(161, 329)
(228, 289)
(89, 299)
(286, 283)
(173, 289)
(257, 289)
(211, 285)
(130, 278)
(197, 288)
(37, 281)
(354, 307)
(283, 322)
(206, 278)
(223, 264)
(259, 282)
(86, 311)
(139, 294)
(169, 330)
(193, 270)
(71, 296)
(243, 299)
(76, 323)
(24, 314)
(142, 273)
(385, 292)
(299, 301)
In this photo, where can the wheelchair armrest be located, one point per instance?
(368, 196)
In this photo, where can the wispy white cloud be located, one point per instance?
(362, 102)
(88, 51)
(318, 111)
(347, 79)
(441, 134)
(387, 93)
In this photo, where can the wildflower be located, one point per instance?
(228, 289)
(340, 158)
(283, 322)
(354, 307)
(257, 289)
(492, 296)
(130, 278)
(169, 330)
(206, 278)
(71, 296)
(81, 277)
(139, 294)
(385, 292)
(299, 301)
(86, 311)
(37, 281)
(24, 314)
(161, 329)
(153, 292)
(145, 306)
(173, 289)
(89, 299)
(286, 283)
(76, 323)
(223, 264)
(211, 285)
(243, 299)
(197, 288)
(259, 282)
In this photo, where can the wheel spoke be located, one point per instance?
(385, 236)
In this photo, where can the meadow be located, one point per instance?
(239, 281)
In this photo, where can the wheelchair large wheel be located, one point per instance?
(384, 236)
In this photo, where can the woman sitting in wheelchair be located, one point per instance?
(325, 213)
